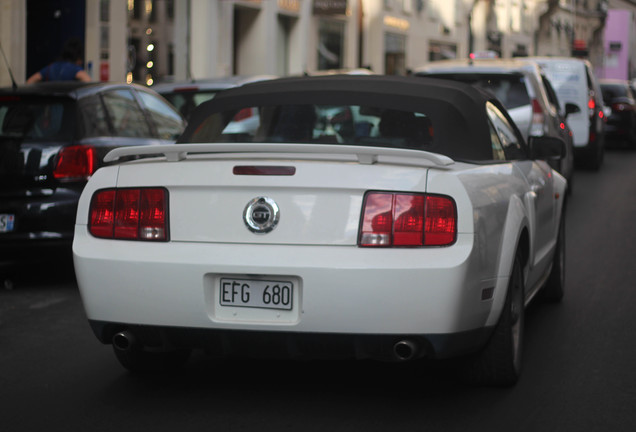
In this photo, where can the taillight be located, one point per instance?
(622, 107)
(538, 119)
(102, 214)
(591, 104)
(407, 220)
(75, 162)
(130, 214)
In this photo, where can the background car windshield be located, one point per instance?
(327, 124)
(36, 119)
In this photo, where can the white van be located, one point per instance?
(574, 82)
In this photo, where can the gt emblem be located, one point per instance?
(261, 215)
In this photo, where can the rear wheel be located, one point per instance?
(499, 362)
(138, 360)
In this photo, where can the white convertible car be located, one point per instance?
(391, 218)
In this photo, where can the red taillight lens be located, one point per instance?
(75, 162)
(407, 220)
(591, 104)
(538, 118)
(441, 221)
(102, 214)
(130, 214)
(408, 228)
(127, 213)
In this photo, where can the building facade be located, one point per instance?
(152, 40)
(572, 28)
(620, 41)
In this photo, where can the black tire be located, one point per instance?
(499, 362)
(139, 361)
(555, 286)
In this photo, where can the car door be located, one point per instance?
(538, 197)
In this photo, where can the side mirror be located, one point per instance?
(571, 108)
(545, 148)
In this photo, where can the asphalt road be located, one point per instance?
(579, 365)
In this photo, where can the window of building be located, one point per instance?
(330, 45)
(441, 51)
(395, 54)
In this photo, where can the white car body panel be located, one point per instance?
(340, 287)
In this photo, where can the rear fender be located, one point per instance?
(517, 221)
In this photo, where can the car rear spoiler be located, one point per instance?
(364, 154)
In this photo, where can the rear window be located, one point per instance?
(611, 91)
(326, 124)
(36, 119)
(510, 89)
(568, 79)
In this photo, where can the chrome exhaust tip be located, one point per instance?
(124, 341)
(404, 350)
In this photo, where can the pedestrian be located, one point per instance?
(67, 68)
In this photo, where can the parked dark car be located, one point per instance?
(621, 122)
(53, 137)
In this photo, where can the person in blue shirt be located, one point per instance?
(68, 68)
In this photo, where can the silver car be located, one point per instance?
(525, 92)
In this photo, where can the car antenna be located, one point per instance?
(13, 83)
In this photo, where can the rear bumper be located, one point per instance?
(433, 294)
(43, 228)
(618, 128)
(300, 346)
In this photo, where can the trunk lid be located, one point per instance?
(319, 204)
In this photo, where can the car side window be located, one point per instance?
(95, 121)
(167, 121)
(510, 141)
(127, 118)
(552, 97)
(497, 149)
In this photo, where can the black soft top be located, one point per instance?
(457, 110)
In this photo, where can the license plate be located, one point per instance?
(7, 222)
(263, 294)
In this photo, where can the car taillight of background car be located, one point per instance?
(75, 162)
